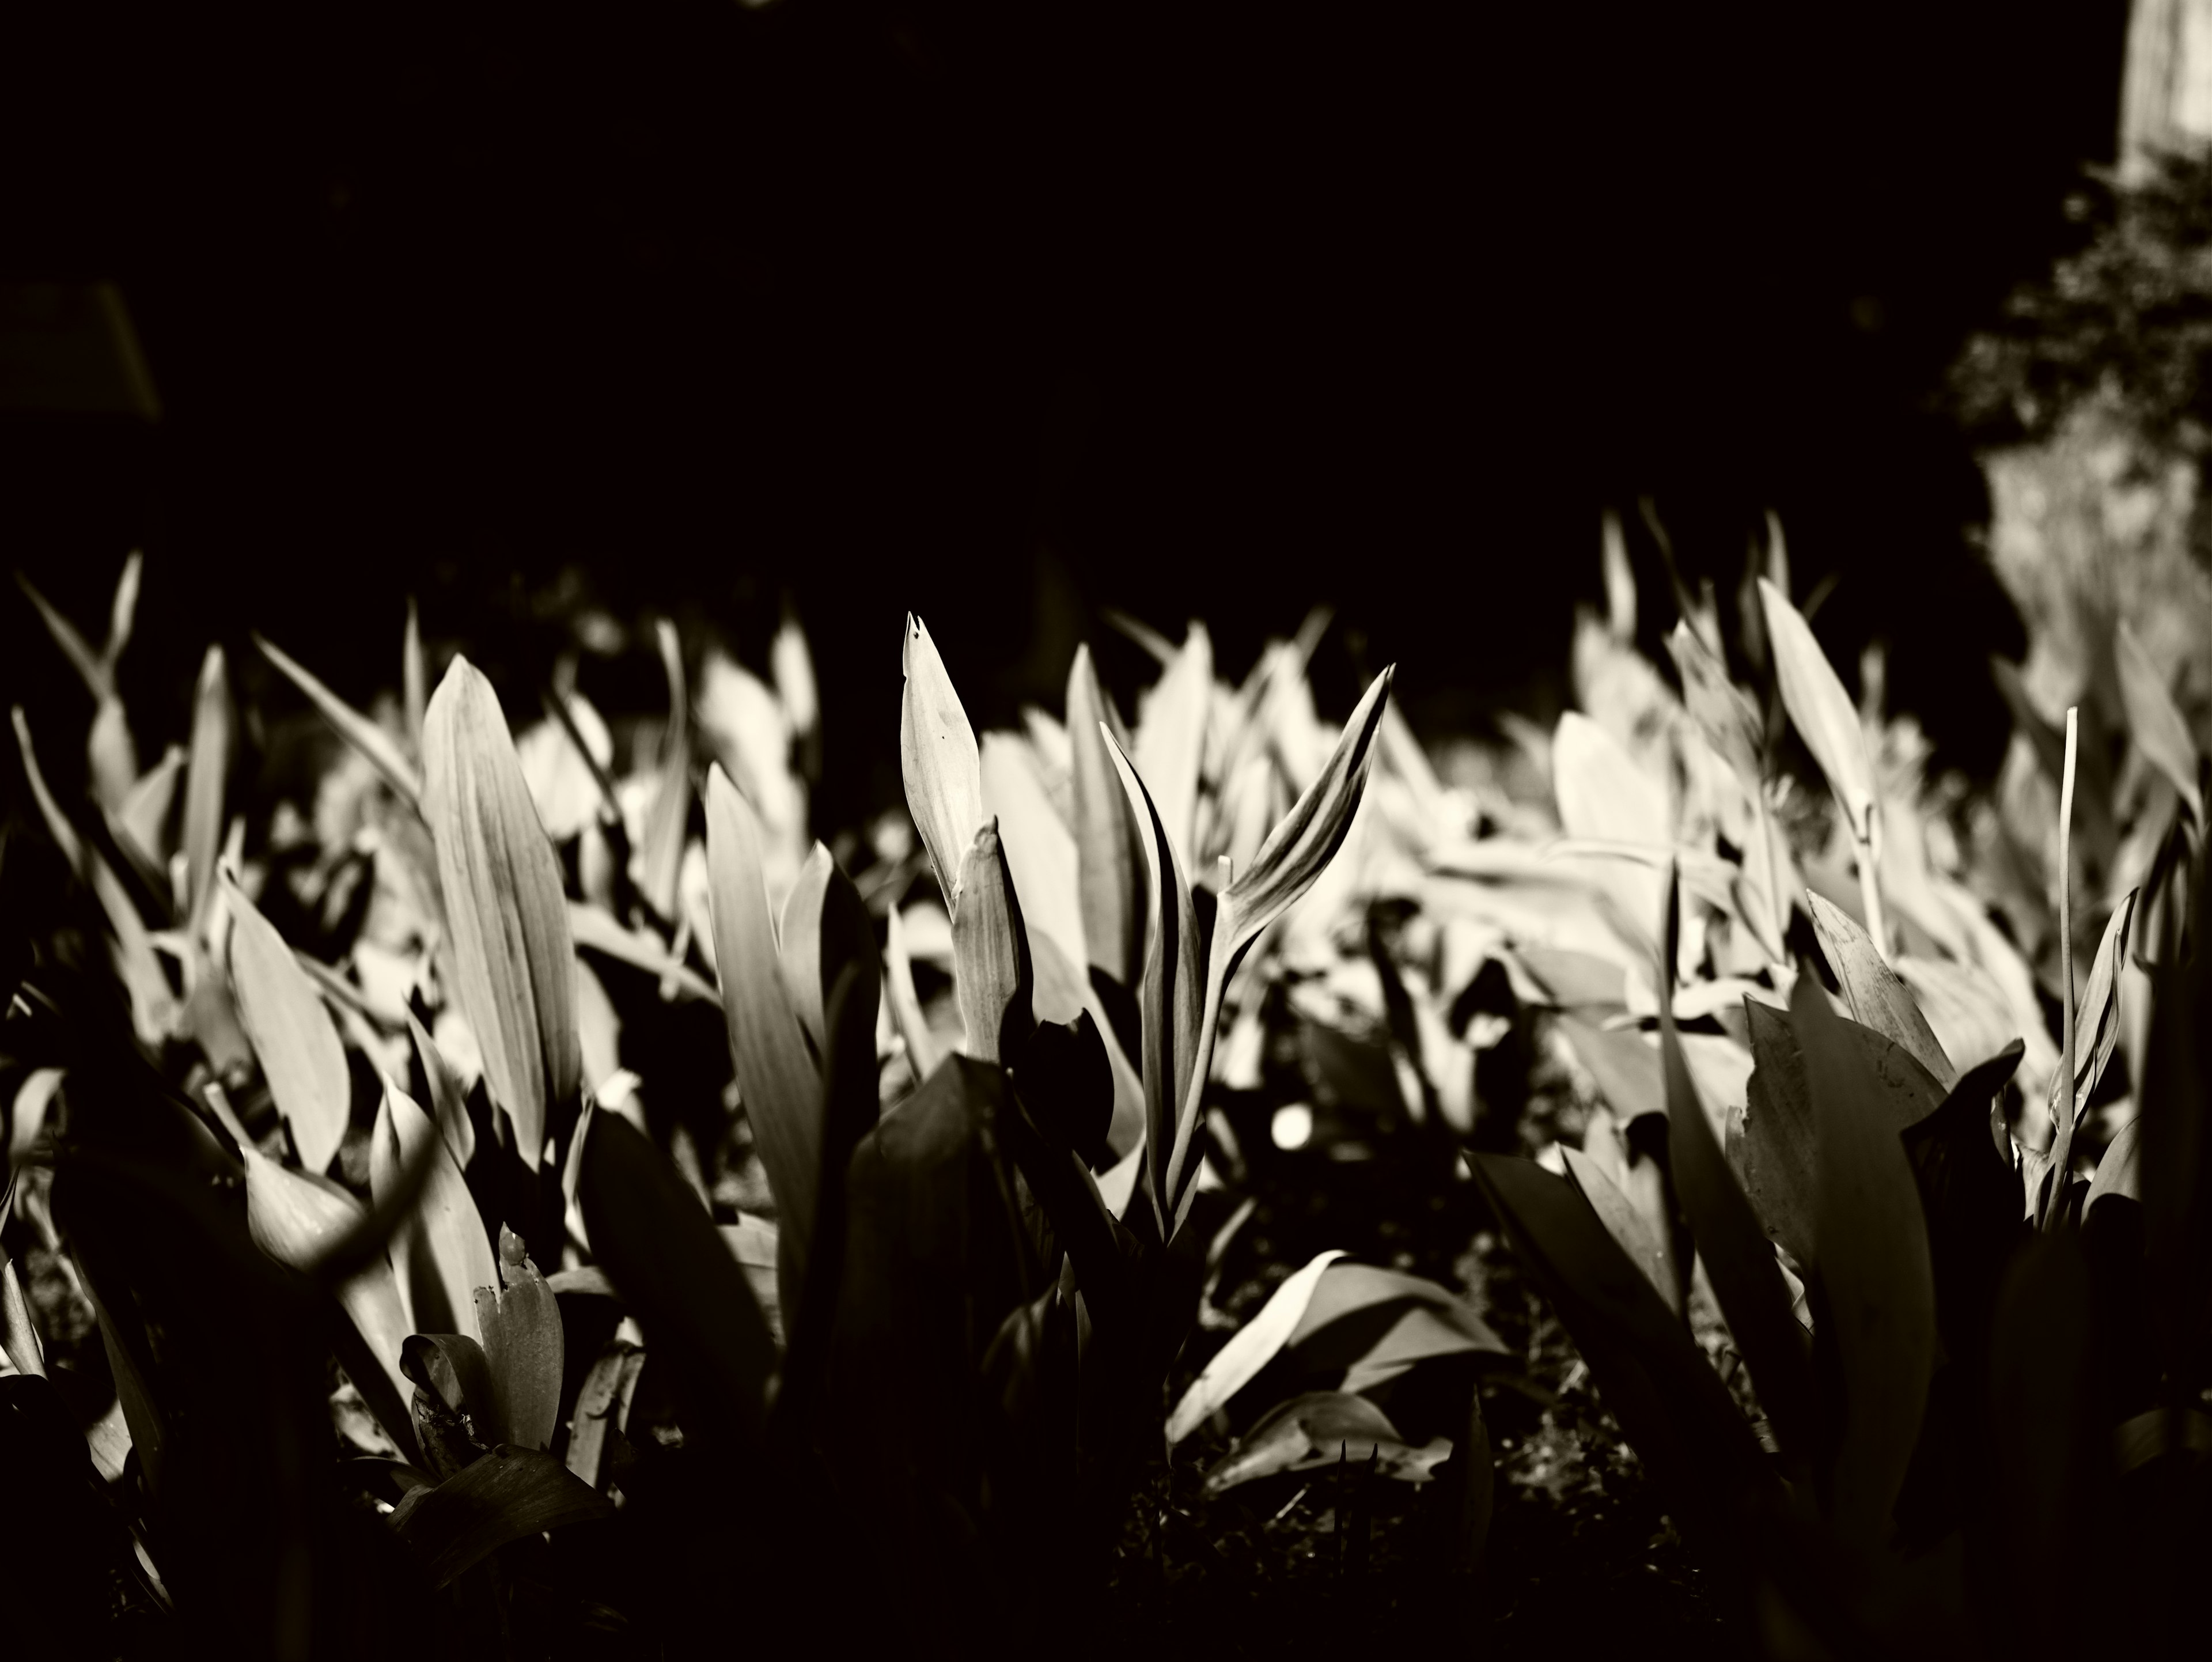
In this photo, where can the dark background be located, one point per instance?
(1004, 312)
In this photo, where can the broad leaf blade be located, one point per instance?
(1878, 997)
(443, 1255)
(520, 1320)
(507, 917)
(1250, 1348)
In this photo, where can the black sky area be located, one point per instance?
(1210, 311)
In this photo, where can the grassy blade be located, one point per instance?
(383, 753)
(1878, 997)
(505, 910)
(779, 1080)
(1875, 1267)
(938, 760)
(203, 783)
(291, 1032)
(91, 668)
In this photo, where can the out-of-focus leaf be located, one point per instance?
(921, 1052)
(1602, 793)
(1639, 1235)
(521, 1325)
(1875, 1266)
(508, 918)
(448, 1097)
(1168, 1000)
(660, 850)
(1878, 997)
(1820, 710)
(2096, 1018)
(1250, 1348)
(1171, 736)
(598, 1027)
(1109, 859)
(992, 974)
(503, 1496)
(414, 683)
(1628, 1070)
(383, 753)
(2157, 727)
(1967, 1010)
(1322, 1428)
(91, 666)
(1735, 1250)
(153, 1005)
(601, 1405)
(1040, 848)
(139, 827)
(779, 1082)
(939, 759)
(19, 1339)
(441, 1255)
(677, 1274)
(1723, 714)
(596, 927)
(292, 1033)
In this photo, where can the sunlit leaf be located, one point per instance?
(826, 927)
(1250, 1348)
(1820, 710)
(2158, 729)
(2118, 1173)
(1109, 863)
(1039, 849)
(520, 1319)
(939, 760)
(1171, 739)
(292, 1033)
(1602, 793)
(508, 919)
(1724, 713)
(660, 850)
(203, 783)
(2097, 1017)
(441, 1255)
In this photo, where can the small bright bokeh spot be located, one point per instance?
(1292, 1127)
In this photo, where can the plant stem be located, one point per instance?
(2061, 1153)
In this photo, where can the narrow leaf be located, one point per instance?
(1820, 710)
(2159, 730)
(441, 1255)
(2097, 1019)
(921, 1052)
(203, 783)
(1109, 867)
(938, 760)
(383, 753)
(98, 679)
(1719, 708)
(507, 917)
(1171, 735)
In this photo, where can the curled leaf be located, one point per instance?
(1250, 1348)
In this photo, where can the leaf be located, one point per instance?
(1039, 849)
(292, 1033)
(938, 760)
(92, 668)
(2118, 1173)
(1736, 1253)
(1250, 1348)
(442, 1255)
(596, 927)
(2096, 1018)
(677, 1276)
(1820, 710)
(2159, 730)
(1171, 739)
(1374, 1323)
(521, 1324)
(1108, 861)
(414, 683)
(1602, 792)
(1967, 1010)
(660, 850)
(1723, 714)
(1169, 998)
(1639, 1236)
(1971, 1200)
(203, 783)
(1878, 998)
(992, 976)
(379, 748)
(508, 918)
(1875, 1265)
(921, 1052)
(503, 1496)
(777, 1078)
(448, 1096)
(1322, 1428)
(825, 928)
(453, 1368)
(18, 1338)
(602, 1404)
(139, 827)
(1629, 1075)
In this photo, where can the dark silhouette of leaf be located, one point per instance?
(503, 1496)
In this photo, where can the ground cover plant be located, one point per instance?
(500, 1186)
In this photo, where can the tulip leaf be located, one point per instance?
(1250, 1348)
(1643, 1238)
(204, 782)
(993, 976)
(939, 760)
(2096, 1018)
(507, 919)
